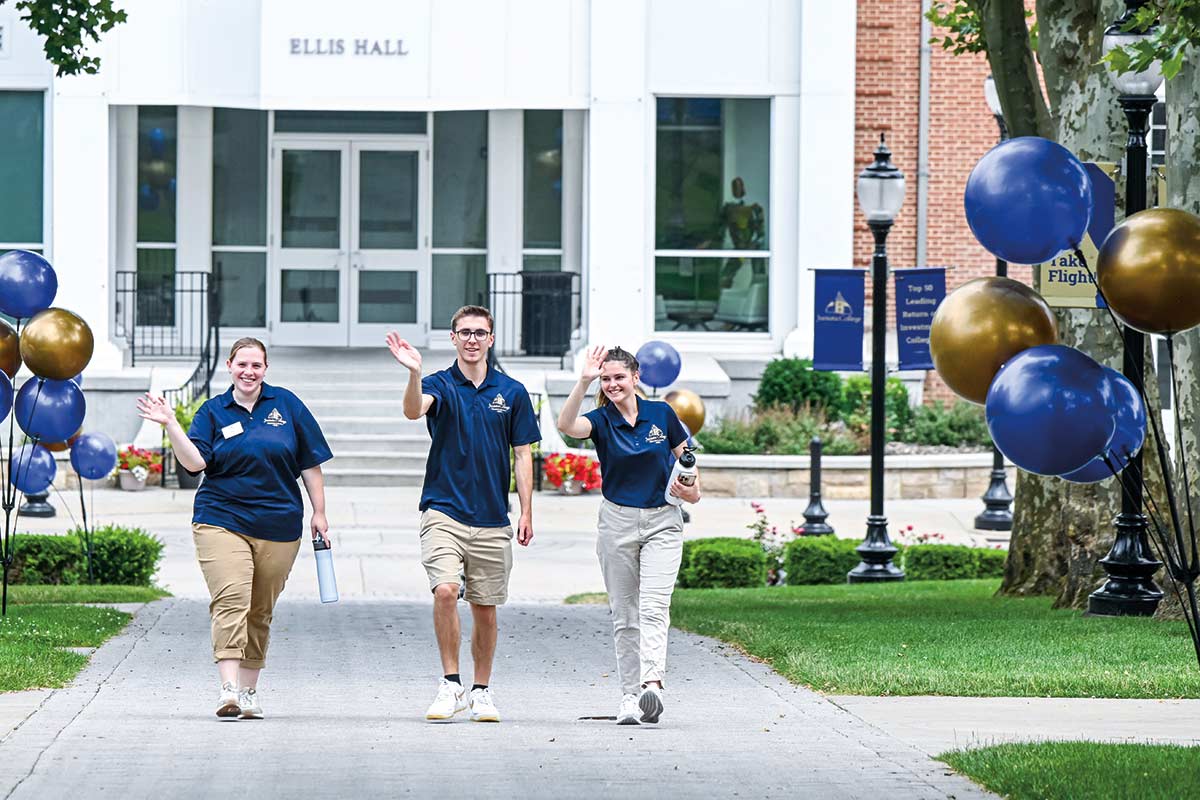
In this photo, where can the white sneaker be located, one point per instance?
(483, 708)
(248, 703)
(228, 708)
(628, 712)
(651, 703)
(451, 699)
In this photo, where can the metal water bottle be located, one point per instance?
(325, 577)
(685, 470)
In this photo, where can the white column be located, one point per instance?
(506, 139)
(572, 200)
(80, 210)
(193, 216)
(825, 222)
(620, 272)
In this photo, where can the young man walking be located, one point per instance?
(474, 415)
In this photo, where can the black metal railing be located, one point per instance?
(535, 312)
(173, 316)
(166, 316)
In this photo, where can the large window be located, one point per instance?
(239, 232)
(459, 213)
(22, 143)
(712, 193)
(542, 245)
(157, 128)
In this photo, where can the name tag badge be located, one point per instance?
(230, 431)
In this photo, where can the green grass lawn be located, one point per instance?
(1082, 770)
(42, 620)
(943, 638)
(587, 598)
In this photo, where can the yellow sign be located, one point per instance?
(1065, 281)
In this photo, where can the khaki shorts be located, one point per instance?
(450, 549)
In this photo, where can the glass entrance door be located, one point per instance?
(350, 250)
(389, 241)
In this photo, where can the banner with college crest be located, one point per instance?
(919, 291)
(838, 297)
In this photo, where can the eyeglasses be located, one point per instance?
(465, 335)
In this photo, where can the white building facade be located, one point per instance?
(608, 171)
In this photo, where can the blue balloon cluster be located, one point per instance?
(28, 283)
(50, 411)
(658, 363)
(94, 455)
(32, 469)
(1028, 199)
(1053, 410)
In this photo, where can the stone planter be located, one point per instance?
(571, 486)
(129, 482)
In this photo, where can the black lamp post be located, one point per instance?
(996, 515)
(880, 194)
(1130, 589)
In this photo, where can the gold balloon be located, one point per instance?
(982, 324)
(10, 350)
(688, 407)
(1149, 270)
(58, 447)
(56, 344)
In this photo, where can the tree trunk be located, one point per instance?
(1183, 188)
(1013, 69)
(1061, 530)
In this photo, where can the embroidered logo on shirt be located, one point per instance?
(275, 419)
(498, 405)
(655, 436)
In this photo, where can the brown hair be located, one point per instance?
(625, 357)
(472, 311)
(248, 341)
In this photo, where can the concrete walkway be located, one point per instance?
(345, 694)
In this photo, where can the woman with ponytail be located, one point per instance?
(639, 537)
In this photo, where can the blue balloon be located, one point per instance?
(1128, 438)
(1028, 199)
(147, 198)
(27, 283)
(51, 411)
(6, 394)
(94, 455)
(1051, 409)
(157, 140)
(658, 363)
(32, 469)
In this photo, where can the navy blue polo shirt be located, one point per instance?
(636, 461)
(250, 482)
(467, 472)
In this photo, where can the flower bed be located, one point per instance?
(572, 473)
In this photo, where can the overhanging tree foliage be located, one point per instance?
(68, 27)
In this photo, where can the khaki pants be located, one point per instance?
(640, 550)
(244, 576)
(450, 549)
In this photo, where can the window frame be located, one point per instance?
(43, 246)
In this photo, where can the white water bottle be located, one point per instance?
(685, 470)
(325, 577)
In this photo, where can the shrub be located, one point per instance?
(722, 563)
(779, 431)
(792, 383)
(127, 556)
(960, 424)
(42, 558)
(819, 559)
(944, 562)
(991, 563)
(856, 407)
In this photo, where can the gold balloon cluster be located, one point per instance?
(56, 344)
(688, 407)
(981, 325)
(1149, 270)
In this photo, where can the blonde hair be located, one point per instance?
(248, 341)
(631, 363)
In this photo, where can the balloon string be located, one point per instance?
(1187, 484)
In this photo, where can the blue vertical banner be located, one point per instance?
(919, 291)
(838, 297)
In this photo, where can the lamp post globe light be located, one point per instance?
(1130, 589)
(880, 194)
(997, 515)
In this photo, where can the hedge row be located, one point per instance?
(125, 556)
(727, 562)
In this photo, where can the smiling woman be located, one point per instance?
(252, 443)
